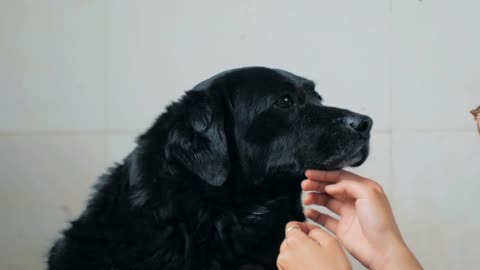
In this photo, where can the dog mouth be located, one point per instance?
(359, 157)
(345, 158)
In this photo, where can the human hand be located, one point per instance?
(307, 246)
(366, 226)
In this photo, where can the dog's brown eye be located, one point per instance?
(284, 102)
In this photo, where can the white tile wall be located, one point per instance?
(435, 196)
(436, 63)
(53, 57)
(45, 181)
(79, 80)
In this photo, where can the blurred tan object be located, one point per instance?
(476, 116)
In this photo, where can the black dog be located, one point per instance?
(213, 182)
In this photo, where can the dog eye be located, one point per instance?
(284, 102)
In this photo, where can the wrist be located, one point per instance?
(396, 256)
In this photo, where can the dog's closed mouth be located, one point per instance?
(359, 157)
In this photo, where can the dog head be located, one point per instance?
(255, 122)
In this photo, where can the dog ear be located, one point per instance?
(199, 142)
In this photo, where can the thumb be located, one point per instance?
(320, 236)
(351, 189)
(295, 236)
(305, 227)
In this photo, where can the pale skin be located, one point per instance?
(366, 227)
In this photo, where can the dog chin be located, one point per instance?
(354, 160)
(358, 158)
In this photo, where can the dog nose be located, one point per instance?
(359, 123)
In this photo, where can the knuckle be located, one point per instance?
(281, 262)
(318, 235)
(316, 232)
(293, 240)
(377, 186)
(372, 192)
(283, 246)
(290, 224)
(330, 241)
(374, 185)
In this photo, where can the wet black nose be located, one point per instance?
(359, 123)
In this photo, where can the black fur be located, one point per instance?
(213, 182)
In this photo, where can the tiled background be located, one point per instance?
(80, 79)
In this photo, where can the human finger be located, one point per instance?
(323, 219)
(351, 189)
(316, 198)
(329, 202)
(322, 237)
(304, 227)
(323, 176)
(334, 176)
(283, 246)
(294, 236)
(310, 185)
